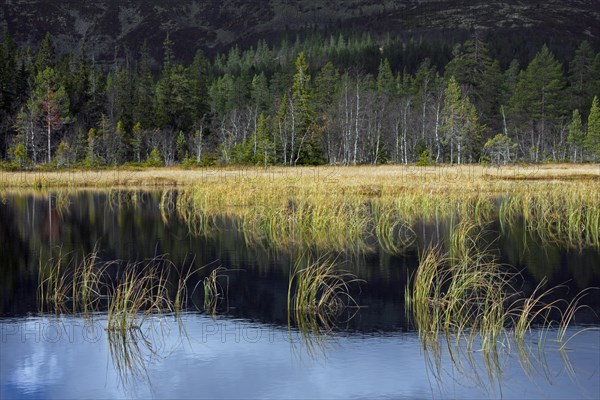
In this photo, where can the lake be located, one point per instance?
(244, 344)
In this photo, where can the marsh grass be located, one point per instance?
(130, 292)
(358, 208)
(214, 291)
(318, 295)
(65, 283)
(88, 288)
(54, 285)
(570, 219)
(465, 304)
(367, 208)
(139, 294)
(466, 297)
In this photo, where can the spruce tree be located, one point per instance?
(580, 76)
(592, 139)
(45, 55)
(539, 99)
(459, 123)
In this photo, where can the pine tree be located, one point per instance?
(168, 57)
(500, 147)
(259, 93)
(592, 139)
(580, 76)
(265, 154)
(181, 145)
(198, 76)
(459, 123)
(120, 143)
(91, 158)
(45, 55)
(137, 139)
(469, 66)
(302, 111)
(144, 111)
(326, 87)
(301, 88)
(491, 96)
(385, 80)
(539, 102)
(8, 75)
(50, 97)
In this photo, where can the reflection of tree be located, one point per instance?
(15, 282)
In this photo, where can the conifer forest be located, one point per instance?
(339, 99)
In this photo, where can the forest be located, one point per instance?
(343, 99)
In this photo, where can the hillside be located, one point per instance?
(215, 25)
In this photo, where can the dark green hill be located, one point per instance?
(214, 25)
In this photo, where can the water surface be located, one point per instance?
(247, 348)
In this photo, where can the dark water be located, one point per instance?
(247, 349)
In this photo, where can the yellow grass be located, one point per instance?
(336, 208)
(443, 177)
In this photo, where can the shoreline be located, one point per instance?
(176, 176)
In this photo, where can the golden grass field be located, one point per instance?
(445, 176)
(347, 207)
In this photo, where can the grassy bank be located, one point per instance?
(361, 208)
(446, 176)
(358, 208)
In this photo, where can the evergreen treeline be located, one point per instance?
(346, 100)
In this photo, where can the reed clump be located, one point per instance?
(64, 283)
(138, 295)
(466, 296)
(318, 294)
(130, 292)
(214, 291)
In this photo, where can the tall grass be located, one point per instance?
(214, 291)
(364, 208)
(140, 293)
(466, 302)
(466, 296)
(54, 285)
(318, 294)
(65, 283)
(130, 292)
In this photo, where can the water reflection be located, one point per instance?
(247, 341)
(128, 225)
(228, 358)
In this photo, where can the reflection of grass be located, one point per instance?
(129, 352)
(132, 350)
